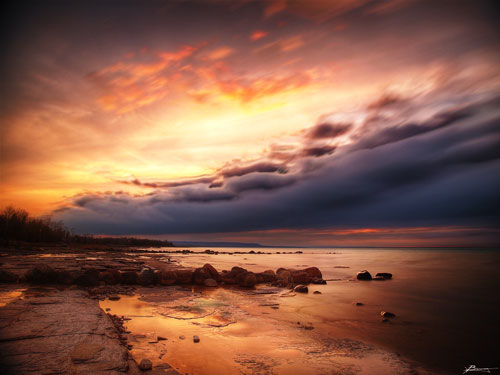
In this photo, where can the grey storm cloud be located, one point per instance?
(442, 171)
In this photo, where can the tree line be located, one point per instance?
(18, 225)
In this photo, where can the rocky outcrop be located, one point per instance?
(147, 276)
(200, 275)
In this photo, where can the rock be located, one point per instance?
(8, 277)
(316, 292)
(210, 282)
(284, 276)
(196, 339)
(85, 351)
(89, 278)
(385, 275)
(145, 365)
(212, 271)
(167, 277)
(364, 275)
(41, 274)
(110, 277)
(146, 276)
(268, 276)
(161, 338)
(379, 278)
(301, 289)
(182, 337)
(129, 277)
(114, 298)
(184, 276)
(360, 304)
(237, 270)
(200, 275)
(318, 281)
(301, 277)
(387, 314)
(247, 280)
(314, 272)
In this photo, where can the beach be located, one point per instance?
(443, 300)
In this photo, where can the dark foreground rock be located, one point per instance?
(301, 289)
(385, 275)
(64, 332)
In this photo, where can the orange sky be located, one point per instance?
(98, 97)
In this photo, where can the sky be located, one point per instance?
(287, 122)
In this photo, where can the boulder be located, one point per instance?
(247, 280)
(184, 276)
(196, 339)
(90, 277)
(129, 277)
(210, 282)
(145, 365)
(315, 280)
(363, 275)
(385, 275)
(267, 276)
(301, 277)
(167, 277)
(41, 274)
(146, 276)
(301, 289)
(7, 277)
(212, 271)
(200, 275)
(110, 276)
(314, 272)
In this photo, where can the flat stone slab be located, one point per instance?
(63, 332)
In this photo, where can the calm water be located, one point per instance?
(446, 301)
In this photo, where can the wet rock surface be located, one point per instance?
(364, 275)
(60, 332)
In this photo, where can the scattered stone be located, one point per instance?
(145, 365)
(317, 292)
(182, 337)
(387, 314)
(161, 338)
(364, 275)
(385, 275)
(360, 304)
(301, 289)
(196, 339)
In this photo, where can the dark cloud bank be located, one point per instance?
(441, 171)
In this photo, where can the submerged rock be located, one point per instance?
(385, 275)
(145, 365)
(364, 275)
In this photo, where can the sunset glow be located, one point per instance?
(345, 122)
